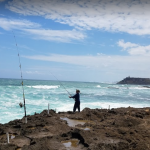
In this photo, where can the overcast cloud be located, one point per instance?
(128, 16)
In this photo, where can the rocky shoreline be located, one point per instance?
(91, 129)
(135, 81)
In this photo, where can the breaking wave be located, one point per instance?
(44, 86)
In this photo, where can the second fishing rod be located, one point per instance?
(61, 84)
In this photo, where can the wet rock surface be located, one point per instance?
(91, 129)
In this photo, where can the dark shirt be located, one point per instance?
(77, 97)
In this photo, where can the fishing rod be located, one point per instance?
(21, 105)
(62, 85)
(22, 77)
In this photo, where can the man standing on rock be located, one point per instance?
(77, 100)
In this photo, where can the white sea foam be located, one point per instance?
(44, 86)
(98, 86)
(63, 107)
(35, 102)
(105, 105)
(113, 87)
(139, 88)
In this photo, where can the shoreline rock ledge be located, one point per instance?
(133, 80)
(108, 129)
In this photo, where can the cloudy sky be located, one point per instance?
(75, 40)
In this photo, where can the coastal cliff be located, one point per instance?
(132, 80)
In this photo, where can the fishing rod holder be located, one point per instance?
(7, 134)
(25, 119)
(48, 109)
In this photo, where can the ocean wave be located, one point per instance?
(129, 87)
(138, 88)
(113, 87)
(44, 86)
(98, 86)
(144, 99)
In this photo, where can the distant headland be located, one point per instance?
(132, 80)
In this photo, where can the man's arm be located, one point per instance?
(73, 96)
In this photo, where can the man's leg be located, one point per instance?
(78, 106)
(75, 106)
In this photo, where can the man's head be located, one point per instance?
(77, 91)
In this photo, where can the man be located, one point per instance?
(77, 101)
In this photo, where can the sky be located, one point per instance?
(75, 40)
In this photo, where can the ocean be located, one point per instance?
(40, 93)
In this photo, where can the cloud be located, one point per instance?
(37, 32)
(99, 62)
(2, 0)
(33, 72)
(9, 24)
(134, 49)
(56, 35)
(128, 16)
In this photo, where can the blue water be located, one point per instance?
(38, 93)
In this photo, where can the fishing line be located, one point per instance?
(61, 84)
(20, 72)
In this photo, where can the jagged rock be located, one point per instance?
(115, 129)
(138, 81)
